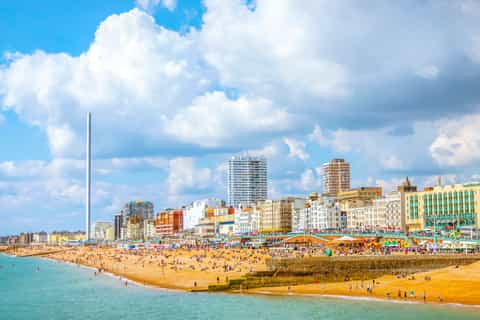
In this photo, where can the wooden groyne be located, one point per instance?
(43, 253)
(22, 253)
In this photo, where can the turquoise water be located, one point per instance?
(61, 291)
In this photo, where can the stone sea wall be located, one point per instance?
(286, 271)
(363, 267)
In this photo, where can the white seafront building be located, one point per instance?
(247, 220)
(196, 211)
(318, 214)
(383, 214)
(40, 237)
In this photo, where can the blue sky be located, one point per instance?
(177, 87)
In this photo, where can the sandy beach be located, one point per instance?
(186, 269)
(447, 285)
(196, 269)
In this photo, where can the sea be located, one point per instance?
(35, 288)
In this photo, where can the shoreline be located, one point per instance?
(361, 298)
(337, 290)
(107, 272)
(265, 292)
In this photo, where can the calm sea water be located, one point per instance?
(61, 291)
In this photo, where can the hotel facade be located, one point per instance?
(276, 215)
(443, 207)
(318, 213)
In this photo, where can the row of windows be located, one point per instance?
(455, 194)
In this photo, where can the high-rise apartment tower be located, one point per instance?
(247, 180)
(336, 176)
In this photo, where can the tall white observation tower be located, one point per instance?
(88, 176)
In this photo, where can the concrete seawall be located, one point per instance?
(363, 267)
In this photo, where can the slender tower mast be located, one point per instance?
(88, 176)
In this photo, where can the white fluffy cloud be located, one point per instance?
(150, 5)
(57, 168)
(296, 148)
(132, 77)
(213, 120)
(270, 50)
(248, 78)
(381, 147)
(457, 142)
(184, 175)
(311, 180)
(148, 88)
(268, 151)
(129, 163)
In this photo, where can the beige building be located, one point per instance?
(402, 190)
(103, 231)
(134, 229)
(336, 176)
(247, 220)
(443, 207)
(149, 229)
(205, 228)
(358, 197)
(64, 237)
(276, 215)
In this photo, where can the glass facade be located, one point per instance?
(413, 207)
(456, 207)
